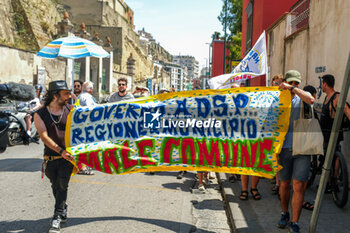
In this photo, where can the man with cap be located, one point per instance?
(50, 121)
(295, 168)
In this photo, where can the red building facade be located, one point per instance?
(257, 16)
(217, 65)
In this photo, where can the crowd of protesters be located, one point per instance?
(50, 121)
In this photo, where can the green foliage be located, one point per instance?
(235, 46)
(231, 17)
(216, 36)
(235, 50)
(19, 21)
(231, 14)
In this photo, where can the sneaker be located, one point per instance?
(293, 227)
(206, 181)
(211, 175)
(201, 187)
(284, 220)
(29, 133)
(180, 175)
(328, 188)
(64, 215)
(55, 224)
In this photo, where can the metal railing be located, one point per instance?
(298, 17)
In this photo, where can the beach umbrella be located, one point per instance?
(72, 47)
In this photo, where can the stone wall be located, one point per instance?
(143, 65)
(43, 17)
(21, 66)
(7, 28)
(88, 11)
(27, 24)
(116, 35)
(101, 18)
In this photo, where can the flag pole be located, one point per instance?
(331, 148)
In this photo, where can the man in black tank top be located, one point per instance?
(50, 121)
(328, 109)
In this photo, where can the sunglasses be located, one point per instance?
(121, 84)
(293, 83)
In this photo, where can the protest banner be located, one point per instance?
(253, 65)
(237, 130)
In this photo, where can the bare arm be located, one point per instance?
(40, 126)
(304, 96)
(346, 108)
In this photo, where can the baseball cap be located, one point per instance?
(292, 75)
(58, 85)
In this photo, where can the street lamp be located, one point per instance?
(225, 25)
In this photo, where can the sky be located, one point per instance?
(180, 26)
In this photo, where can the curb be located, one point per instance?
(227, 204)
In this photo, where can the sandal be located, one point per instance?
(257, 195)
(307, 205)
(275, 189)
(244, 195)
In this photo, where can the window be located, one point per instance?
(249, 11)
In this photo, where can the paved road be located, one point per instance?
(262, 216)
(104, 203)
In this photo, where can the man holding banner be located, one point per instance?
(295, 168)
(50, 121)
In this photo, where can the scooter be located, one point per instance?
(17, 127)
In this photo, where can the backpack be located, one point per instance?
(345, 121)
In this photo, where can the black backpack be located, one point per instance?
(345, 121)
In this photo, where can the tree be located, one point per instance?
(232, 9)
(231, 17)
(234, 47)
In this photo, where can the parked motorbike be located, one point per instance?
(13, 92)
(17, 127)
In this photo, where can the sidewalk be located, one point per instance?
(262, 216)
(208, 209)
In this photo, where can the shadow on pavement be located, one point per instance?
(184, 186)
(212, 204)
(42, 225)
(20, 165)
(170, 173)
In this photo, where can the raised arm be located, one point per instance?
(304, 96)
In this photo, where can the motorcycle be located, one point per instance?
(17, 127)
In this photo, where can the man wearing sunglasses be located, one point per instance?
(295, 168)
(122, 94)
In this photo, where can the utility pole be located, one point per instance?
(331, 147)
(209, 60)
(225, 25)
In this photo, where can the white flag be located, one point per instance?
(253, 65)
